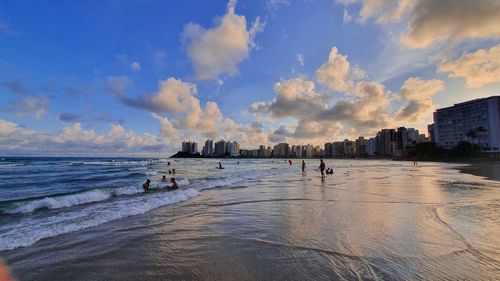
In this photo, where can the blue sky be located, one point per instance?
(86, 77)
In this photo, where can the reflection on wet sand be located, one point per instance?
(370, 220)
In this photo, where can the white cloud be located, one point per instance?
(7, 128)
(383, 11)
(452, 20)
(418, 93)
(217, 51)
(177, 98)
(167, 130)
(333, 74)
(135, 66)
(74, 140)
(295, 97)
(366, 107)
(173, 96)
(478, 68)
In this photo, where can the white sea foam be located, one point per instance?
(8, 165)
(29, 230)
(84, 197)
(111, 163)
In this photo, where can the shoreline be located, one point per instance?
(488, 170)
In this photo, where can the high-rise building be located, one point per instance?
(361, 147)
(190, 147)
(430, 132)
(349, 148)
(208, 148)
(282, 150)
(309, 151)
(220, 148)
(299, 151)
(386, 142)
(476, 121)
(371, 148)
(328, 149)
(338, 149)
(262, 151)
(232, 148)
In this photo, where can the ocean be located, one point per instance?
(257, 219)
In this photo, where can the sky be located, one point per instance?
(137, 77)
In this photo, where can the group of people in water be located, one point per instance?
(148, 186)
(321, 168)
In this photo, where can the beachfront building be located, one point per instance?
(232, 149)
(298, 151)
(406, 138)
(386, 142)
(190, 147)
(281, 150)
(476, 121)
(430, 132)
(208, 148)
(269, 152)
(371, 147)
(262, 151)
(220, 148)
(361, 147)
(309, 151)
(349, 148)
(328, 149)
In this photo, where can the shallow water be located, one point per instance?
(256, 220)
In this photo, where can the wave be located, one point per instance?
(8, 165)
(110, 162)
(29, 230)
(75, 199)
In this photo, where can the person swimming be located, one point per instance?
(164, 178)
(146, 185)
(173, 171)
(174, 184)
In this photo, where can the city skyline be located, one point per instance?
(139, 78)
(387, 142)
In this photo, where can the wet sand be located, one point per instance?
(489, 170)
(370, 220)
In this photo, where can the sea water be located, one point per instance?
(258, 219)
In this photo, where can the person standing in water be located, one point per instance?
(322, 168)
(303, 168)
(220, 165)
